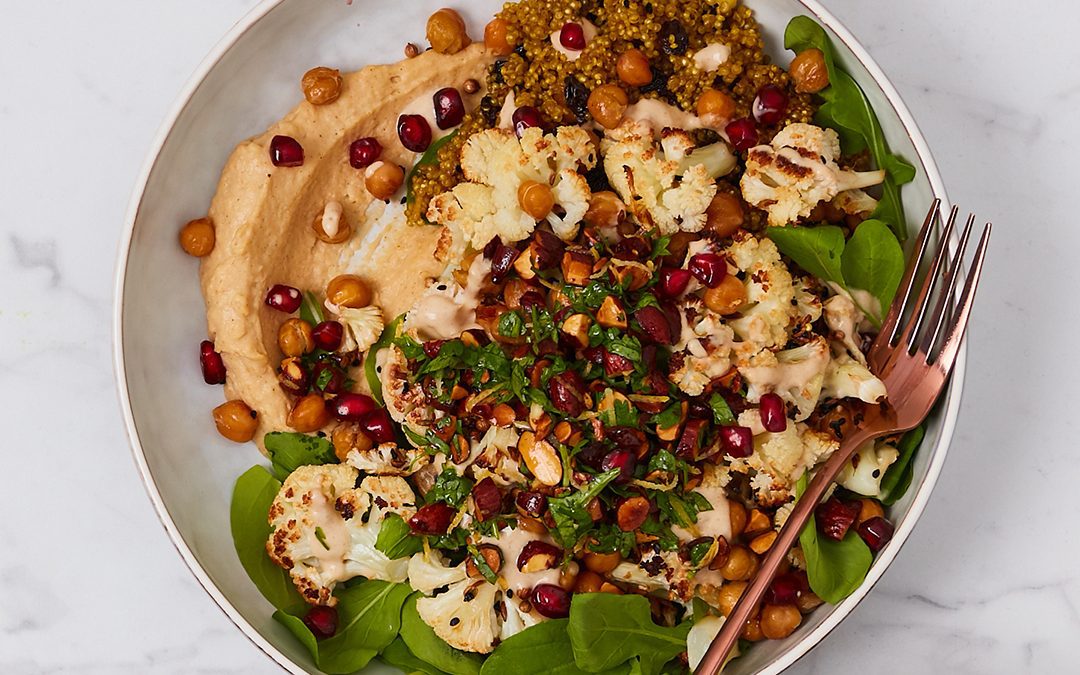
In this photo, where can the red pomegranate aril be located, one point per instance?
(773, 413)
(329, 384)
(621, 459)
(527, 561)
(532, 504)
(616, 364)
(286, 151)
(488, 498)
(572, 36)
(673, 282)
(708, 268)
(351, 406)
(835, 517)
(742, 133)
(213, 368)
(631, 248)
(433, 519)
(770, 104)
(524, 117)
(876, 532)
(414, 132)
(449, 108)
(433, 347)
(379, 426)
(321, 621)
(284, 298)
(551, 601)
(567, 392)
(328, 335)
(737, 441)
(364, 152)
(531, 299)
(654, 323)
(784, 590)
(502, 261)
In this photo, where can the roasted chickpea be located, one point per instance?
(737, 515)
(588, 582)
(809, 72)
(725, 214)
(308, 414)
(715, 103)
(446, 32)
(295, 338)
(727, 297)
(568, 575)
(607, 105)
(779, 621)
(236, 421)
(383, 179)
(741, 564)
(535, 199)
(348, 290)
(729, 595)
(633, 68)
(197, 237)
(349, 437)
(321, 85)
(752, 630)
(330, 225)
(605, 209)
(495, 37)
(602, 563)
(869, 508)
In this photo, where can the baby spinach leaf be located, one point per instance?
(835, 568)
(873, 261)
(538, 650)
(721, 410)
(572, 519)
(395, 538)
(254, 492)
(369, 618)
(289, 450)
(607, 630)
(399, 656)
(371, 373)
(818, 250)
(450, 488)
(429, 647)
(897, 477)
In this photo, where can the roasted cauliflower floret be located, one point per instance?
(324, 528)
(678, 147)
(363, 326)
(847, 378)
(769, 311)
(780, 459)
(843, 317)
(704, 347)
(464, 615)
(797, 375)
(798, 170)
(867, 467)
(404, 401)
(387, 459)
(658, 571)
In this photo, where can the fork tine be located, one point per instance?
(944, 302)
(892, 319)
(944, 360)
(918, 316)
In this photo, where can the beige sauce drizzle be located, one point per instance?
(511, 541)
(715, 522)
(331, 557)
(787, 376)
(571, 55)
(444, 315)
(712, 56)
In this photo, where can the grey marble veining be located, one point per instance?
(89, 582)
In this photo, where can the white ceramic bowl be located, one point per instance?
(247, 82)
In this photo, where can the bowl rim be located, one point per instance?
(950, 406)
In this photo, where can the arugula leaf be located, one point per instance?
(835, 568)
(430, 156)
(429, 647)
(606, 630)
(251, 499)
(817, 250)
(873, 261)
(538, 650)
(450, 488)
(897, 477)
(396, 539)
(369, 618)
(290, 450)
(371, 373)
(572, 520)
(397, 654)
(311, 310)
(721, 411)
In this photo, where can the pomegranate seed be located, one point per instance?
(742, 133)
(628, 438)
(552, 601)
(572, 36)
(524, 117)
(433, 347)
(531, 299)
(620, 459)
(784, 590)
(331, 384)
(876, 532)
(654, 323)
(708, 268)
(488, 498)
(594, 355)
(502, 260)
(286, 151)
(631, 248)
(379, 426)
(449, 109)
(352, 407)
(284, 298)
(435, 518)
(737, 441)
(770, 105)
(328, 335)
(773, 413)
(364, 152)
(414, 132)
(551, 553)
(321, 621)
(567, 392)
(835, 517)
(213, 368)
(614, 364)
(592, 455)
(674, 281)
(532, 503)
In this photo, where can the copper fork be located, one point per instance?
(913, 355)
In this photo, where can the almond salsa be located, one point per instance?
(542, 333)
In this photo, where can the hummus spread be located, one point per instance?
(263, 215)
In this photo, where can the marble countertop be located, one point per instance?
(89, 582)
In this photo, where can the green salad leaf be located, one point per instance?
(897, 477)
(572, 519)
(397, 654)
(873, 261)
(310, 309)
(371, 373)
(818, 250)
(722, 413)
(429, 647)
(835, 568)
(396, 539)
(254, 492)
(450, 488)
(607, 630)
(369, 618)
(289, 451)
(543, 649)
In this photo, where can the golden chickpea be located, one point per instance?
(727, 297)
(725, 214)
(568, 575)
(605, 209)
(602, 563)
(197, 237)
(633, 68)
(349, 437)
(495, 37)
(779, 621)
(809, 72)
(294, 338)
(446, 32)
(870, 508)
(607, 105)
(535, 199)
(588, 582)
(383, 179)
(348, 290)
(741, 564)
(729, 594)
(308, 414)
(737, 515)
(715, 103)
(330, 225)
(752, 630)
(236, 421)
(321, 85)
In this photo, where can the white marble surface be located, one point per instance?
(89, 582)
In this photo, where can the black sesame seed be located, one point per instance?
(510, 593)
(877, 472)
(455, 621)
(441, 287)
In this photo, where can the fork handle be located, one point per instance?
(729, 633)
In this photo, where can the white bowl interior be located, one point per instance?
(189, 469)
